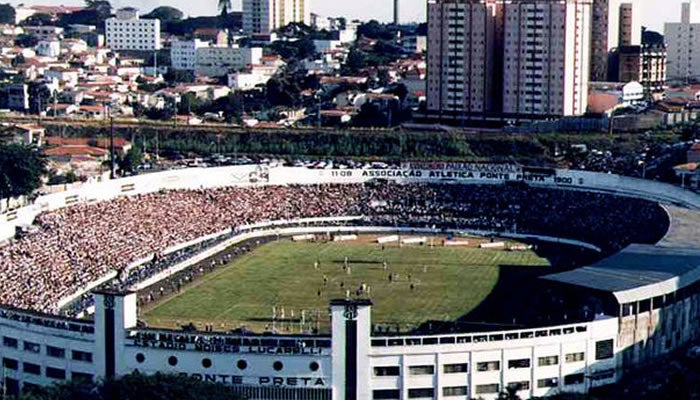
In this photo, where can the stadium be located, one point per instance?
(424, 281)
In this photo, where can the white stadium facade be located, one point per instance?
(647, 296)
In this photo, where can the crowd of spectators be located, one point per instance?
(607, 221)
(78, 245)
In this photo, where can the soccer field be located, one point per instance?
(427, 283)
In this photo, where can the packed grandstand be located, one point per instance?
(76, 245)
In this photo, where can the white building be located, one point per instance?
(258, 75)
(683, 44)
(265, 16)
(127, 31)
(183, 53)
(547, 57)
(206, 59)
(44, 32)
(219, 61)
(48, 48)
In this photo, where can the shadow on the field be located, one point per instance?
(502, 308)
(519, 298)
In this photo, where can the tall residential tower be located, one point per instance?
(508, 59)
(683, 44)
(265, 16)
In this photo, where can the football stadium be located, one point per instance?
(424, 281)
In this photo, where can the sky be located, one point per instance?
(653, 12)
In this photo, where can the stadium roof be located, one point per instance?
(638, 272)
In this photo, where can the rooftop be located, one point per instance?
(638, 272)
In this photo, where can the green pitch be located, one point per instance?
(436, 283)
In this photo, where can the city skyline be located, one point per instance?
(652, 16)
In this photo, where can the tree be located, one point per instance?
(25, 41)
(18, 60)
(39, 97)
(134, 386)
(165, 14)
(131, 161)
(38, 19)
(231, 106)
(356, 61)
(178, 75)
(285, 87)
(102, 8)
(21, 170)
(7, 14)
(375, 30)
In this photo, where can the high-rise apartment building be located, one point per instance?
(514, 59)
(264, 16)
(599, 40)
(461, 57)
(547, 57)
(683, 44)
(625, 25)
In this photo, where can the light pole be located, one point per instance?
(111, 141)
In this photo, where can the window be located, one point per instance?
(548, 383)
(521, 385)
(55, 352)
(604, 349)
(386, 394)
(9, 342)
(488, 366)
(486, 389)
(421, 370)
(547, 361)
(573, 379)
(30, 368)
(32, 347)
(455, 368)
(78, 355)
(387, 371)
(454, 391)
(521, 363)
(10, 363)
(55, 373)
(574, 357)
(421, 393)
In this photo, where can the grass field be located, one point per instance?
(447, 283)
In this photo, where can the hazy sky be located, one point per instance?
(653, 12)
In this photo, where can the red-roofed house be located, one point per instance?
(93, 112)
